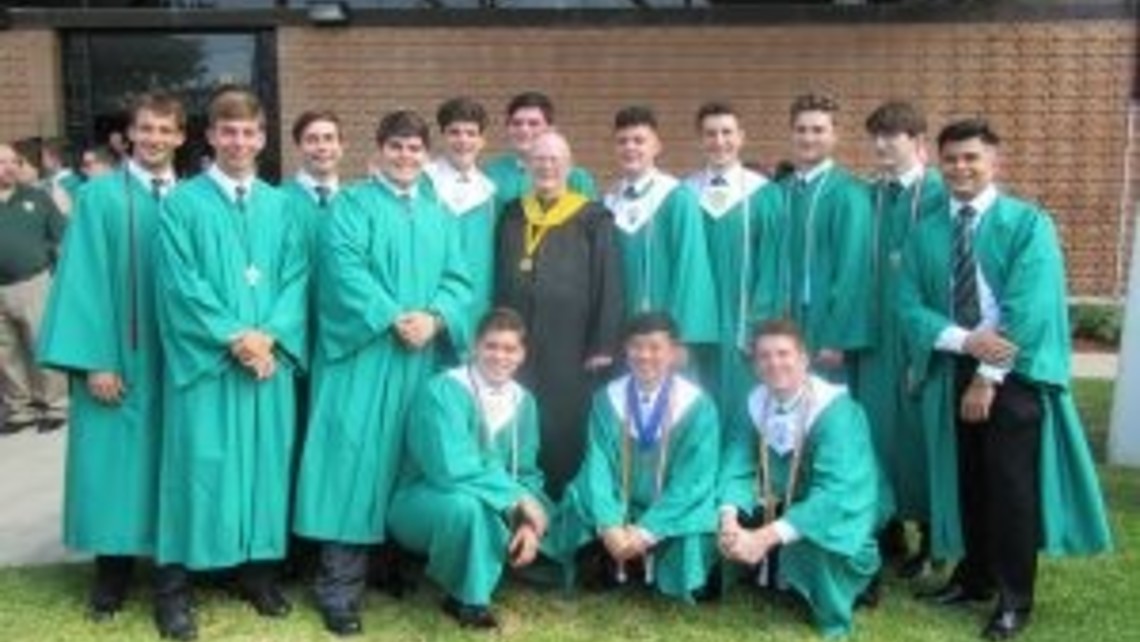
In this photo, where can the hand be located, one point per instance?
(988, 346)
(107, 387)
(749, 547)
(523, 548)
(250, 346)
(616, 541)
(530, 513)
(417, 329)
(829, 359)
(978, 400)
(728, 532)
(598, 362)
(639, 544)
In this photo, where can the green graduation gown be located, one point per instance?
(381, 256)
(474, 205)
(304, 205)
(227, 437)
(1016, 248)
(100, 318)
(665, 265)
(680, 514)
(465, 467)
(834, 508)
(826, 241)
(882, 386)
(511, 180)
(740, 224)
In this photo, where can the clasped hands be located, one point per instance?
(740, 544)
(416, 329)
(254, 350)
(530, 526)
(989, 347)
(624, 543)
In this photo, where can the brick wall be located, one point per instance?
(30, 82)
(1057, 91)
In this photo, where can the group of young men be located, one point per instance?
(687, 383)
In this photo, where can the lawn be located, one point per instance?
(1079, 600)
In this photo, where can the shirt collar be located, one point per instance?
(229, 184)
(145, 176)
(784, 407)
(641, 184)
(484, 385)
(729, 173)
(816, 171)
(310, 182)
(445, 168)
(410, 192)
(911, 176)
(982, 202)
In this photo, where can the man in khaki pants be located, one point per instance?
(30, 231)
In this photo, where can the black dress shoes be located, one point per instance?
(468, 616)
(175, 619)
(267, 600)
(1005, 624)
(953, 593)
(342, 622)
(109, 590)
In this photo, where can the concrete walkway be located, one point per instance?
(31, 484)
(31, 492)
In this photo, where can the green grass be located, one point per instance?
(1079, 600)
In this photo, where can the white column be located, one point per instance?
(1124, 434)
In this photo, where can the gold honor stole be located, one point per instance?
(539, 223)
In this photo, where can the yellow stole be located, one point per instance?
(539, 223)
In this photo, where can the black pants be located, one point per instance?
(172, 581)
(341, 576)
(998, 469)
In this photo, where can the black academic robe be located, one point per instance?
(572, 304)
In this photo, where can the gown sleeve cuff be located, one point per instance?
(786, 532)
(952, 339)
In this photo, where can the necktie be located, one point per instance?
(966, 311)
(630, 193)
(894, 188)
(239, 197)
(718, 181)
(156, 187)
(322, 195)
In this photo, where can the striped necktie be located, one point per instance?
(967, 312)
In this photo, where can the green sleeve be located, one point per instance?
(530, 475)
(737, 476)
(452, 300)
(686, 503)
(78, 331)
(287, 323)
(599, 481)
(693, 297)
(846, 323)
(836, 505)
(196, 327)
(768, 296)
(1034, 311)
(354, 305)
(441, 436)
(921, 323)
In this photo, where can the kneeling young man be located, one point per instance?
(647, 484)
(809, 468)
(470, 492)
